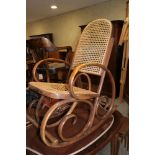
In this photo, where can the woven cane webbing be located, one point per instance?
(92, 46)
(55, 90)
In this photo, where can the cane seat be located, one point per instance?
(60, 90)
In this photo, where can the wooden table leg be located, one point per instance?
(122, 136)
(115, 143)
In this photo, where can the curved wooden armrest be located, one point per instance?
(45, 61)
(76, 70)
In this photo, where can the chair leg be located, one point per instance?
(115, 143)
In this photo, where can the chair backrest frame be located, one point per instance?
(93, 46)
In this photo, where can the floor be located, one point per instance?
(124, 109)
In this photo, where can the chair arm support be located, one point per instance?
(76, 70)
(45, 61)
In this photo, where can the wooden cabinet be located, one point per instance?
(115, 61)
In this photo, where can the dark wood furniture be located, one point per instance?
(117, 134)
(115, 58)
(42, 48)
(115, 61)
(126, 86)
(45, 35)
(62, 52)
(40, 51)
(30, 61)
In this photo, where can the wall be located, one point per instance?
(65, 27)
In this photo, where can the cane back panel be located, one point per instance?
(93, 45)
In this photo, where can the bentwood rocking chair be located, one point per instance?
(74, 113)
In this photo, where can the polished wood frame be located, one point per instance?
(73, 100)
